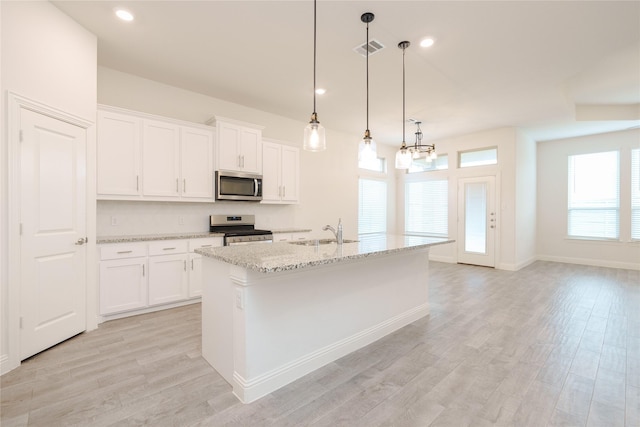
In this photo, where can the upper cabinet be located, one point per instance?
(239, 146)
(281, 172)
(143, 157)
(119, 168)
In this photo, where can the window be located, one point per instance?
(372, 206)
(426, 207)
(635, 194)
(485, 156)
(377, 165)
(594, 199)
(421, 165)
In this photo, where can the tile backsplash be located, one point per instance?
(121, 218)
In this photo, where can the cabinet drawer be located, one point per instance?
(300, 236)
(209, 242)
(123, 250)
(166, 247)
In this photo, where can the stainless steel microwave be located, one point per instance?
(238, 186)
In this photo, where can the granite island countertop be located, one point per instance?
(284, 256)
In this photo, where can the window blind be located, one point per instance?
(426, 207)
(372, 206)
(635, 194)
(594, 195)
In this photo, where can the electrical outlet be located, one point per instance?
(115, 220)
(239, 299)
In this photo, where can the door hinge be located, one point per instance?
(21, 229)
(20, 137)
(20, 322)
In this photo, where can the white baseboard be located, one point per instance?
(5, 364)
(250, 390)
(591, 262)
(440, 258)
(115, 316)
(516, 267)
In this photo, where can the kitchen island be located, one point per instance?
(272, 313)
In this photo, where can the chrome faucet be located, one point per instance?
(336, 233)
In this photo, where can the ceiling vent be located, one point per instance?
(374, 46)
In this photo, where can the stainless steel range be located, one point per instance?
(239, 229)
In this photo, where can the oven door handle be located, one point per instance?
(255, 187)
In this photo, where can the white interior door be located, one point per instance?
(477, 221)
(53, 224)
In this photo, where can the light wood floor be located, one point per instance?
(552, 344)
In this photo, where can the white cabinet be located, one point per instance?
(123, 277)
(195, 263)
(145, 275)
(160, 159)
(291, 237)
(280, 175)
(196, 167)
(144, 157)
(239, 147)
(118, 154)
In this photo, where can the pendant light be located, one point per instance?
(367, 146)
(406, 155)
(314, 138)
(403, 156)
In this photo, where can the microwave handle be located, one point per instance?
(255, 187)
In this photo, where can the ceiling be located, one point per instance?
(531, 64)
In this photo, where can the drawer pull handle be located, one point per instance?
(206, 246)
(168, 249)
(142, 270)
(124, 252)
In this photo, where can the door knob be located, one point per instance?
(82, 241)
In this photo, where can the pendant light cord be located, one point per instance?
(403, 97)
(314, 57)
(367, 47)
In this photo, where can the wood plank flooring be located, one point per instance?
(551, 345)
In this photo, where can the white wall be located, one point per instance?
(49, 58)
(525, 200)
(552, 243)
(329, 184)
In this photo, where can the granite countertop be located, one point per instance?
(291, 230)
(151, 237)
(276, 257)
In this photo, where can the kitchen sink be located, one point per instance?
(320, 242)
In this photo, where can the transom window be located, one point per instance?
(482, 157)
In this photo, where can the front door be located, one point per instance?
(477, 221)
(53, 231)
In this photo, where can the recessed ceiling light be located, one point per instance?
(125, 15)
(321, 91)
(427, 42)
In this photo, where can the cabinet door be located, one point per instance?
(195, 275)
(290, 174)
(123, 285)
(167, 278)
(228, 146)
(271, 186)
(118, 154)
(161, 154)
(251, 150)
(196, 163)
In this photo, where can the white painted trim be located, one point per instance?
(249, 391)
(146, 310)
(591, 262)
(442, 258)
(15, 103)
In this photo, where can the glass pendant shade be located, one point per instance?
(367, 151)
(403, 159)
(314, 138)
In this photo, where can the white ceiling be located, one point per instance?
(494, 64)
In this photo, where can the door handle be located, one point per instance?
(81, 241)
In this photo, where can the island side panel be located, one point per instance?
(217, 317)
(294, 322)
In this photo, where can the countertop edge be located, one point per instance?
(313, 263)
(155, 237)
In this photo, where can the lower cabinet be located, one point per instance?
(291, 237)
(144, 275)
(123, 285)
(168, 278)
